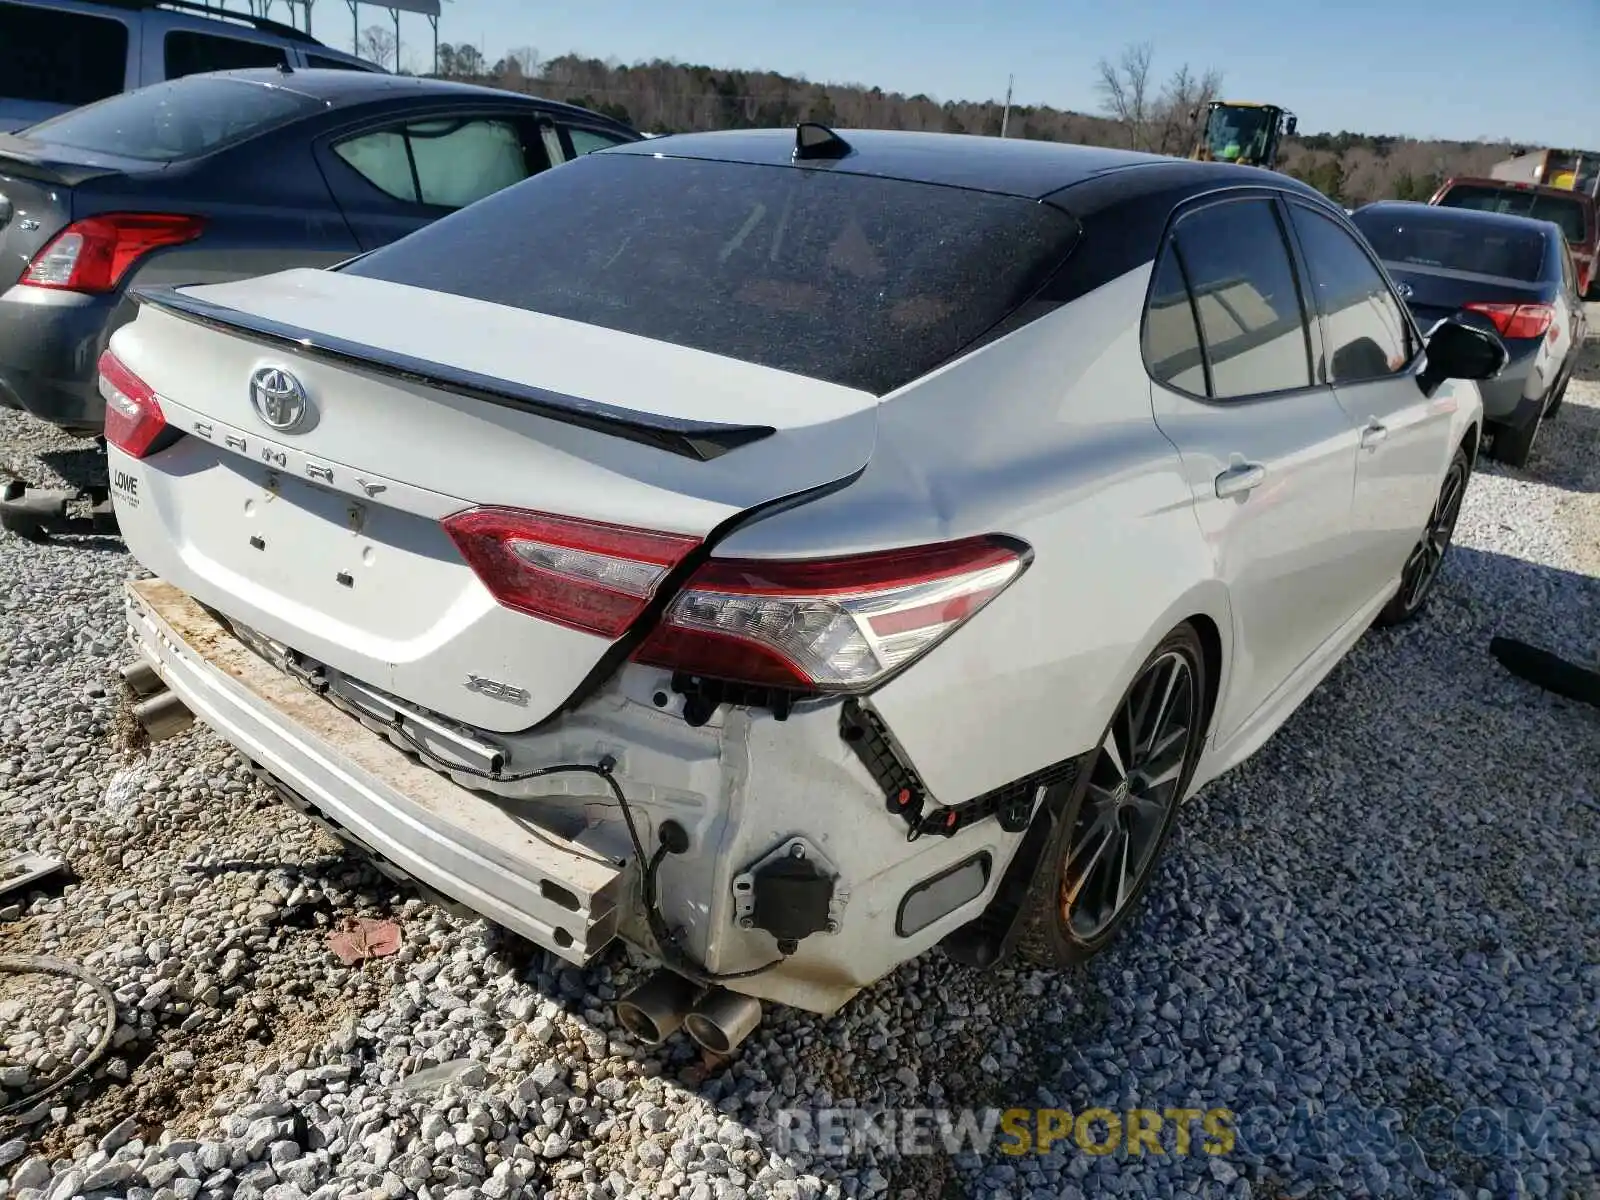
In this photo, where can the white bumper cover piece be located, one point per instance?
(467, 846)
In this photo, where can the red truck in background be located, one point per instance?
(1562, 186)
(1570, 170)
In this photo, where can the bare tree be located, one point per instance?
(1180, 110)
(1124, 89)
(1165, 122)
(377, 45)
(526, 59)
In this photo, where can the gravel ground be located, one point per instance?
(1383, 923)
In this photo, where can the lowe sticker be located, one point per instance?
(126, 485)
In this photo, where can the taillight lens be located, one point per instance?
(133, 417)
(833, 625)
(92, 255)
(1517, 320)
(582, 574)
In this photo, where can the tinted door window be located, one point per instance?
(192, 53)
(446, 163)
(587, 141)
(57, 57)
(1366, 327)
(1239, 274)
(1171, 339)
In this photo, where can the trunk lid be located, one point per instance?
(1438, 292)
(327, 537)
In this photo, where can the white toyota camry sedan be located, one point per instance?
(790, 550)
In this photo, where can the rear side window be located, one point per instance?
(1566, 212)
(1437, 240)
(55, 57)
(587, 141)
(1239, 274)
(1367, 331)
(1171, 338)
(856, 280)
(446, 163)
(189, 53)
(177, 119)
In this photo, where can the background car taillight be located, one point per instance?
(92, 255)
(582, 574)
(831, 625)
(1517, 320)
(133, 418)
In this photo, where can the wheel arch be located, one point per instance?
(1211, 644)
(1472, 441)
(1206, 608)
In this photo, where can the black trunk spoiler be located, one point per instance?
(692, 439)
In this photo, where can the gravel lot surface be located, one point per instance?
(1376, 943)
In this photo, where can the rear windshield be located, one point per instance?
(179, 119)
(856, 280)
(1425, 239)
(53, 57)
(1567, 213)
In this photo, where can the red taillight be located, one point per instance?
(582, 574)
(92, 255)
(1517, 320)
(838, 625)
(133, 417)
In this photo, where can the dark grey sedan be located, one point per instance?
(1512, 274)
(228, 175)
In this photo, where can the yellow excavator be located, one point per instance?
(1243, 132)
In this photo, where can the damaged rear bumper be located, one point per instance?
(558, 894)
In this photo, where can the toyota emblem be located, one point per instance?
(1405, 291)
(278, 398)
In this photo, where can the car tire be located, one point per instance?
(1422, 566)
(1076, 904)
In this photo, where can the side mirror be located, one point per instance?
(1291, 124)
(1456, 350)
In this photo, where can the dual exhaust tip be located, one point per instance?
(717, 1019)
(160, 713)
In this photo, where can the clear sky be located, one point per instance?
(1525, 70)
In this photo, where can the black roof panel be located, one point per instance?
(1011, 166)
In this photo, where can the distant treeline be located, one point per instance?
(671, 97)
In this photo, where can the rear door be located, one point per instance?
(1269, 452)
(391, 177)
(1370, 353)
(58, 57)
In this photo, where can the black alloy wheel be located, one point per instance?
(1427, 556)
